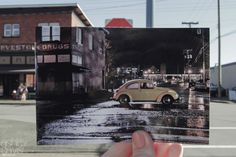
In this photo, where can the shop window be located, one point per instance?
(50, 31)
(79, 36)
(30, 80)
(77, 59)
(11, 30)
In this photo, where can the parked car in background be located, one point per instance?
(234, 88)
(141, 90)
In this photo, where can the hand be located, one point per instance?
(143, 146)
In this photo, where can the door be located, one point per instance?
(147, 92)
(134, 91)
(10, 83)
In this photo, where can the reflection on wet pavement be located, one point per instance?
(108, 121)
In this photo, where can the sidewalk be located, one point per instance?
(17, 102)
(224, 100)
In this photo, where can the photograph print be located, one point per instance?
(99, 85)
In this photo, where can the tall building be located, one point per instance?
(18, 35)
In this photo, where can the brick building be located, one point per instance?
(17, 38)
(70, 67)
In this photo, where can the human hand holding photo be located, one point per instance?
(143, 146)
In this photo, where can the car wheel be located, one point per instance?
(124, 100)
(167, 100)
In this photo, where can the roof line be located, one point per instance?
(39, 5)
(84, 15)
(76, 5)
(225, 65)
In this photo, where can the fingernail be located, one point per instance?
(138, 140)
(175, 150)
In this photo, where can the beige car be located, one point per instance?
(143, 91)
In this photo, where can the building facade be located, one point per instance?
(71, 67)
(17, 38)
(228, 75)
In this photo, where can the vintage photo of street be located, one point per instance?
(99, 85)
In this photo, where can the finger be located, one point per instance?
(161, 149)
(142, 145)
(175, 150)
(122, 149)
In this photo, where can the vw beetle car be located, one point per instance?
(142, 91)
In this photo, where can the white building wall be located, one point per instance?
(228, 75)
(75, 21)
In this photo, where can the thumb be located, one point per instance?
(142, 145)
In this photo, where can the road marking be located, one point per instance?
(210, 146)
(222, 128)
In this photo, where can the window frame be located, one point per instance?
(79, 36)
(53, 29)
(138, 87)
(52, 34)
(9, 30)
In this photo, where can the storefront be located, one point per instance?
(16, 67)
(10, 81)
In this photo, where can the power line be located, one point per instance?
(222, 36)
(117, 6)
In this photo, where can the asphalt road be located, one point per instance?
(18, 134)
(108, 121)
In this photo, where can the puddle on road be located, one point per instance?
(110, 122)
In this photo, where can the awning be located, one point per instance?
(80, 69)
(9, 70)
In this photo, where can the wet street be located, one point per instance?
(105, 122)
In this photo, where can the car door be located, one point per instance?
(133, 90)
(147, 92)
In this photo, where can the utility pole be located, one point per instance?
(203, 58)
(219, 53)
(190, 23)
(149, 13)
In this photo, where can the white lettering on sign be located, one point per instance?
(49, 58)
(53, 46)
(63, 58)
(15, 48)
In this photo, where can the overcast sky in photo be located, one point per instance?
(168, 14)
